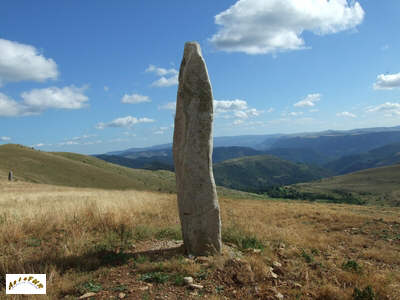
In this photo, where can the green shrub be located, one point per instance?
(157, 277)
(366, 294)
(351, 266)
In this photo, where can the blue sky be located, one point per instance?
(97, 76)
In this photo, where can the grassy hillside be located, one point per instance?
(380, 186)
(76, 170)
(112, 242)
(257, 173)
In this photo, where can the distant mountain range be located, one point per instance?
(256, 162)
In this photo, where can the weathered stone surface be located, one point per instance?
(10, 176)
(192, 149)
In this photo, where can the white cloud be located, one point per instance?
(270, 26)
(169, 106)
(128, 121)
(127, 133)
(346, 114)
(235, 108)
(295, 113)
(241, 114)
(229, 105)
(9, 107)
(387, 82)
(238, 122)
(270, 110)
(135, 98)
(166, 81)
(106, 88)
(5, 138)
(19, 62)
(39, 145)
(389, 108)
(69, 97)
(309, 100)
(161, 71)
(314, 110)
(168, 77)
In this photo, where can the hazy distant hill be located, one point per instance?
(379, 157)
(379, 186)
(163, 160)
(302, 155)
(257, 173)
(334, 146)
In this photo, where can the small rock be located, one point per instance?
(121, 295)
(278, 296)
(144, 288)
(188, 280)
(202, 260)
(196, 286)
(277, 264)
(87, 295)
(256, 250)
(272, 273)
(282, 246)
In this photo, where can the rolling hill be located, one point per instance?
(377, 186)
(257, 173)
(76, 170)
(379, 157)
(70, 169)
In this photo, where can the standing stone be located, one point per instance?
(192, 148)
(10, 176)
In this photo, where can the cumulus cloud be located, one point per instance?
(127, 121)
(10, 107)
(69, 97)
(387, 82)
(229, 105)
(238, 122)
(346, 114)
(5, 138)
(168, 77)
(135, 98)
(389, 108)
(168, 106)
(238, 108)
(161, 71)
(38, 100)
(309, 100)
(19, 62)
(166, 81)
(270, 26)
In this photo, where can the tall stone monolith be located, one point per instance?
(192, 149)
(10, 176)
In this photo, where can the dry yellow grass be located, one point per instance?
(64, 232)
